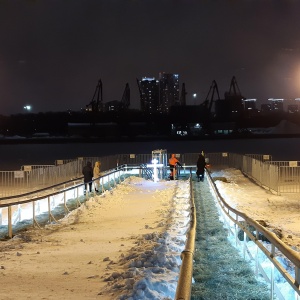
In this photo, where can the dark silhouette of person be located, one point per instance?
(201, 163)
(87, 172)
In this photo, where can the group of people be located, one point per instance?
(90, 173)
(201, 164)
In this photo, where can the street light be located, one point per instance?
(27, 107)
(195, 97)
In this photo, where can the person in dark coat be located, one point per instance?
(201, 163)
(87, 172)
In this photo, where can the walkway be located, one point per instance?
(123, 244)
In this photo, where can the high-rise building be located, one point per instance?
(149, 94)
(249, 104)
(276, 104)
(168, 91)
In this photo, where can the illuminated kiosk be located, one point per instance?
(159, 164)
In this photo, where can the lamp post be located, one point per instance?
(195, 97)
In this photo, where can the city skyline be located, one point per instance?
(54, 52)
(270, 104)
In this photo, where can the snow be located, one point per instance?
(123, 244)
(126, 243)
(280, 212)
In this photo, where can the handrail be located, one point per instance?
(39, 190)
(51, 188)
(287, 251)
(291, 254)
(183, 291)
(52, 194)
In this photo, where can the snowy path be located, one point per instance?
(123, 244)
(219, 271)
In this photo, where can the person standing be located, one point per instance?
(96, 174)
(201, 163)
(87, 172)
(173, 162)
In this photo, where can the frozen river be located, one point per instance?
(13, 156)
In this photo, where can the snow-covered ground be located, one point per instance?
(280, 213)
(126, 244)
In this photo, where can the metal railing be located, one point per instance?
(44, 201)
(183, 290)
(275, 250)
(278, 253)
(36, 177)
(277, 176)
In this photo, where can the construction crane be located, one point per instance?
(234, 89)
(125, 101)
(97, 101)
(208, 102)
(234, 97)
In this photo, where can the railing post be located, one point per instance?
(33, 213)
(19, 212)
(35, 223)
(272, 282)
(244, 244)
(256, 256)
(297, 276)
(272, 272)
(119, 170)
(65, 202)
(49, 209)
(236, 230)
(102, 186)
(10, 231)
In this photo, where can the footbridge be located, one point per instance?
(206, 267)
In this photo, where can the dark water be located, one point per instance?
(12, 157)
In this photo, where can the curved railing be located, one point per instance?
(274, 248)
(183, 290)
(48, 198)
(238, 219)
(242, 222)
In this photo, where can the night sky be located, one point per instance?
(53, 52)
